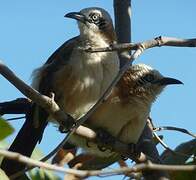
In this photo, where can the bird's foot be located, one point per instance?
(67, 126)
(104, 140)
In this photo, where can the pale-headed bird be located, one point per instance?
(76, 77)
(124, 114)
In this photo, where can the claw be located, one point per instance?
(62, 129)
(102, 148)
(110, 149)
(123, 158)
(104, 139)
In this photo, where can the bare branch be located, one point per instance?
(168, 148)
(89, 134)
(171, 128)
(17, 106)
(16, 118)
(187, 148)
(31, 162)
(122, 11)
(156, 42)
(46, 102)
(122, 14)
(83, 174)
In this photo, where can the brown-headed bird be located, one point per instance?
(124, 114)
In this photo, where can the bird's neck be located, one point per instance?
(93, 39)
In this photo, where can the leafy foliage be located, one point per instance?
(41, 174)
(6, 129)
(3, 175)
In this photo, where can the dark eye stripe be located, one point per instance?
(148, 78)
(101, 24)
(141, 81)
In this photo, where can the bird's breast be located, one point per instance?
(123, 120)
(84, 79)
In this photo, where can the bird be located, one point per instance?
(123, 115)
(77, 78)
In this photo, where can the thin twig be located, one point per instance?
(44, 159)
(16, 118)
(82, 174)
(156, 42)
(167, 147)
(171, 128)
(161, 142)
(32, 162)
(117, 146)
(187, 148)
(83, 131)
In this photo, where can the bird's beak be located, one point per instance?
(167, 81)
(77, 16)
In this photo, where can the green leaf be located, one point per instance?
(5, 128)
(43, 174)
(3, 175)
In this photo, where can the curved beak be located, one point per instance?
(77, 16)
(168, 81)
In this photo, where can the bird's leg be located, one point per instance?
(135, 150)
(65, 154)
(104, 140)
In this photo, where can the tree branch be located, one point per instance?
(85, 174)
(171, 128)
(188, 148)
(18, 106)
(46, 102)
(89, 134)
(122, 12)
(156, 42)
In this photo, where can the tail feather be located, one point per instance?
(24, 143)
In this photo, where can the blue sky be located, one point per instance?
(31, 30)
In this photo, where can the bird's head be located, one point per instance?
(94, 22)
(144, 82)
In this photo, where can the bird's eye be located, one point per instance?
(94, 17)
(148, 78)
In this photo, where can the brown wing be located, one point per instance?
(58, 59)
(28, 136)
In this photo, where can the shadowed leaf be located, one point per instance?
(5, 128)
(3, 175)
